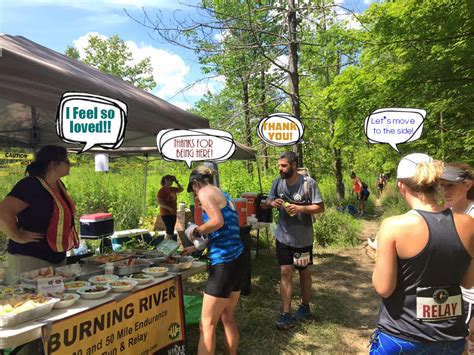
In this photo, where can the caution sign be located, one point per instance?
(7, 155)
(149, 321)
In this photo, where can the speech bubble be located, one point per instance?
(280, 129)
(394, 125)
(92, 120)
(195, 145)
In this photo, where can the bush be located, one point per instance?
(333, 228)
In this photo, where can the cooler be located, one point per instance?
(251, 202)
(97, 225)
(197, 212)
(264, 212)
(241, 204)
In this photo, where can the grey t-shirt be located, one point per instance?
(296, 231)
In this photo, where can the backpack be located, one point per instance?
(306, 198)
(365, 189)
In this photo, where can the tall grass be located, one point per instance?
(121, 191)
(393, 202)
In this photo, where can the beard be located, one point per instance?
(288, 174)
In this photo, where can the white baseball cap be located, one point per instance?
(407, 166)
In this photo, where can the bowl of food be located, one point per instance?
(140, 278)
(67, 300)
(122, 285)
(93, 292)
(178, 263)
(102, 279)
(73, 286)
(156, 271)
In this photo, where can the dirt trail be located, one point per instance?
(344, 304)
(347, 278)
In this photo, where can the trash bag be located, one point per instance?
(192, 309)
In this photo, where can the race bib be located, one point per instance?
(301, 259)
(438, 303)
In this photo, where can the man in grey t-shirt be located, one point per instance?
(297, 198)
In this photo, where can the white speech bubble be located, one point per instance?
(394, 125)
(195, 145)
(92, 120)
(280, 129)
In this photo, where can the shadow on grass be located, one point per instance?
(342, 302)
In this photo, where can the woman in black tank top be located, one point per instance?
(423, 258)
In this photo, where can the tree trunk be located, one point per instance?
(293, 68)
(263, 106)
(248, 133)
(336, 152)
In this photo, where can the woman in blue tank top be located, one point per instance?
(423, 257)
(228, 267)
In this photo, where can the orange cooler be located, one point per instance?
(197, 212)
(251, 202)
(241, 204)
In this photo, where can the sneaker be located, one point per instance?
(303, 312)
(284, 322)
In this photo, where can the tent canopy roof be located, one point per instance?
(33, 79)
(242, 152)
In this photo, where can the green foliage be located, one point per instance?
(112, 56)
(393, 202)
(333, 228)
(118, 193)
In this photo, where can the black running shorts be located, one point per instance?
(285, 254)
(226, 278)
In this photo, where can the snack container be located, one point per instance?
(97, 225)
(124, 267)
(141, 280)
(183, 263)
(31, 314)
(157, 271)
(93, 295)
(130, 284)
(72, 298)
(30, 279)
(82, 271)
(104, 259)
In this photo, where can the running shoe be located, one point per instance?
(303, 312)
(284, 322)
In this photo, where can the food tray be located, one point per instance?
(122, 267)
(102, 259)
(82, 272)
(31, 314)
(30, 279)
(185, 262)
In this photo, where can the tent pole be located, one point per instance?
(259, 175)
(145, 175)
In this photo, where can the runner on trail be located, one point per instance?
(297, 198)
(362, 192)
(381, 181)
(457, 186)
(424, 256)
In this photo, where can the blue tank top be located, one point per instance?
(440, 266)
(225, 244)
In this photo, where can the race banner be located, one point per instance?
(149, 321)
